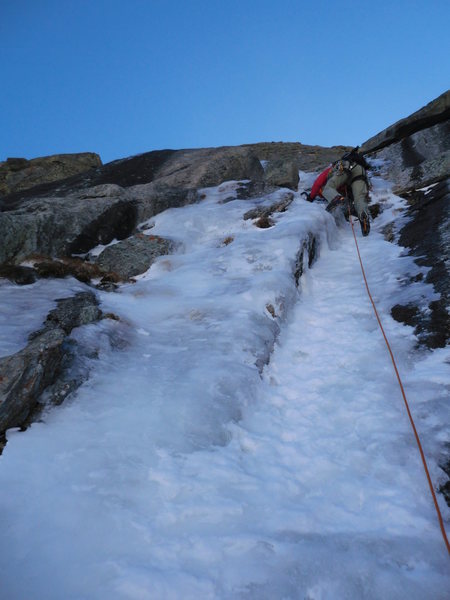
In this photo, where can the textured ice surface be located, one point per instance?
(176, 471)
(23, 308)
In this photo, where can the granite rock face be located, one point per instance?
(17, 174)
(305, 157)
(181, 169)
(427, 235)
(417, 160)
(73, 215)
(415, 154)
(415, 150)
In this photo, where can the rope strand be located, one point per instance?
(402, 389)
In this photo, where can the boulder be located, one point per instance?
(134, 255)
(17, 174)
(76, 223)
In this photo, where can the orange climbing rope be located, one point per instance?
(425, 466)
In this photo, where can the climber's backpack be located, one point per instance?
(319, 183)
(356, 157)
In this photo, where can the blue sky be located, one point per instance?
(124, 77)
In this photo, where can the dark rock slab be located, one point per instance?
(185, 169)
(207, 167)
(134, 255)
(62, 226)
(72, 312)
(25, 375)
(157, 197)
(417, 160)
(116, 222)
(427, 235)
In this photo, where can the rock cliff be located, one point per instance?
(57, 207)
(73, 215)
(415, 155)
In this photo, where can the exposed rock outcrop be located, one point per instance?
(64, 226)
(436, 111)
(416, 157)
(415, 150)
(78, 310)
(134, 255)
(180, 169)
(281, 173)
(25, 375)
(417, 160)
(17, 174)
(210, 166)
(73, 215)
(305, 157)
(427, 235)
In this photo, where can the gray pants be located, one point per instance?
(344, 175)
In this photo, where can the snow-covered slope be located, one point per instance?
(187, 467)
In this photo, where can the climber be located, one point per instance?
(346, 177)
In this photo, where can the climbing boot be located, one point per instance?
(337, 201)
(364, 221)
